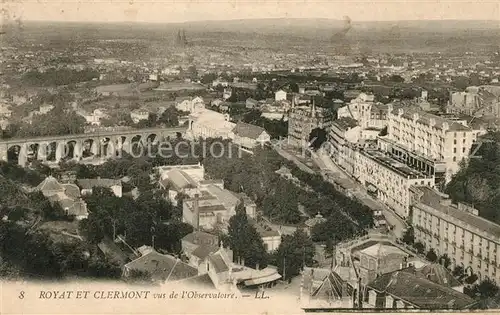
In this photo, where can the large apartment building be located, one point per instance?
(388, 179)
(304, 119)
(456, 230)
(428, 142)
(343, 131)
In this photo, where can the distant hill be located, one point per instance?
(395, 36)
(252, 25)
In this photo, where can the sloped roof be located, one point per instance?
(420, 292)
(180, 180)
(183, 98)
(252, 101)
(316, 220)
(248, 130)
(71, 190)
(333, 287)
(223, 195)
(383, 250)
(162, 267)
(345, 123)
(203, 251)
(89, 183)
(50, 184)
(425, 118)
(263, 229)
(218, 262)
(437, 273)
(432, 199)
(199, 237)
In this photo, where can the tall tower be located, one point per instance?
(178, 40)
(183, 38)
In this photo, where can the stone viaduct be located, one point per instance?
(57, 147)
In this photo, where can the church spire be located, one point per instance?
(313, 109)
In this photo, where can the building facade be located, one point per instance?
(303, 119)
(444, 143)
(342, 132)
(388, 179)
(456, 230)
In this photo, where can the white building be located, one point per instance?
(429, 136)
(388, 178)
(280, 96)
(456, 230)
(189, 104)
(343, 131)
(87, 185)
(138, 115)
(249, 136)
(93, 118)
(45, 108)
(210, 124)
(220, 82)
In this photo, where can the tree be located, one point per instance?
(409, 236)
(471, 279)
(39, 258)
(445, 261)
(485, 289)
(170, 117)
(329, 247)
(396, 78)
(317, 137)
(458, 272)
(419, 247)
(91, 229)
(244, 239)
(169, 236)
(294, 253)
(100, 268)
(431, 255)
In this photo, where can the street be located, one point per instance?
(323, 161)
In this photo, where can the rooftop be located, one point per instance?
(427, 119)
(226, 197)
(50, 184)
(218, 262)
(248, 130)
(420, 292)
(393, 164)
(263, 230)
(180, 180)
(199, 237)
(162, 267)
(98, 182)
(433, 199)
(381, 250)
(345, 123)
(437, 273)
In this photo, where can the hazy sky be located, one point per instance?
(189, 10)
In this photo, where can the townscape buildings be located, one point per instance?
(397, 129)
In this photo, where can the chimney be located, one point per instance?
(196, 212)
(313, 109)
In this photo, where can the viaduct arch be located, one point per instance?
(79, 145)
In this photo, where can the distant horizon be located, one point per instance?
(267, 18)
(176, 11)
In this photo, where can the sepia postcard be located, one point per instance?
(249, 156)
